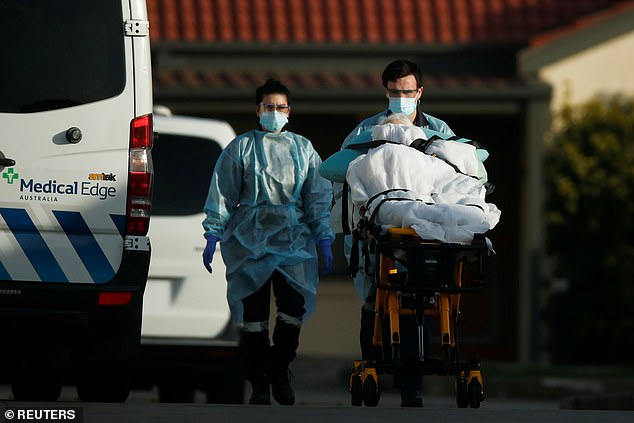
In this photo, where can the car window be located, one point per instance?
(58, 54)
(182, 171)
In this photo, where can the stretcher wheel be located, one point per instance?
(371, 392)
(356, 390)
(475, 393)
(462, 392)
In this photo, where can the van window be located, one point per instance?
(182, 171)
(58, 54)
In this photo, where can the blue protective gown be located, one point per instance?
(269, 207)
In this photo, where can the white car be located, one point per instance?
(188, 341)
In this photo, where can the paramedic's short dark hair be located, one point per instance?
(272, 86)
(400, 68)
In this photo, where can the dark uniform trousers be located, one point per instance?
(260, 357)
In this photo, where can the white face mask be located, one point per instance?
(405, 105)
(273, 121)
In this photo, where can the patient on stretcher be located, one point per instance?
(434, 187)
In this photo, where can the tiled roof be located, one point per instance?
(362, 21)
(311, 80)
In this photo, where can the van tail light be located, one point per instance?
(140, 177)
(114, 298)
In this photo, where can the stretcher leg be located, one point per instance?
(364, 384)
(445, 320)
(394, 324)
(469, 388)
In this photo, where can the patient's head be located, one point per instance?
(397, 127)
(396, 118)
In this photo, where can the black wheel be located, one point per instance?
(37, 371)
(356, 390)
(371, 392)
(226, 388)
(176, 387)
(475, 393)
(176, 393)
(34, 385)
(462, 393)
(103, 382)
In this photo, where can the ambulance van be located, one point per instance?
(75, 194)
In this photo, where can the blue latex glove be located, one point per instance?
(210, 249)
(325, 246)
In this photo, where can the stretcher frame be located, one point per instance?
(431, 286)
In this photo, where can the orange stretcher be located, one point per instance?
(419, 278)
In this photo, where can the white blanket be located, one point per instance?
(447, 206)
(459, 154)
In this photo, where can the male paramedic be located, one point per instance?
(403, 84)
(270, 210)
(402, 80)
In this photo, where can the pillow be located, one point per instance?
(335, 167)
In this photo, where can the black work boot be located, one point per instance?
(411, 398)
(285, 343)
(260, 391)
(281, 384)
(411, 401)
(257, 362)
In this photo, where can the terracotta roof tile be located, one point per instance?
(316, 22)
(580, 23)
(241, 12)
(363, 21)
(207, 23)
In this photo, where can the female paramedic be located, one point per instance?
(270, 209)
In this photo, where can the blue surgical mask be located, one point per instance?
(273, 121)
(405, 105)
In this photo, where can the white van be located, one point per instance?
(188, 340)
(75, 194)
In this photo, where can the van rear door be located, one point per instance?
(65, 113)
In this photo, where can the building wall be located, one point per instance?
(604, 69)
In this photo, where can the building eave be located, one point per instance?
(552, 47)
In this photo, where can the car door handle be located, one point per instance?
(6, 162)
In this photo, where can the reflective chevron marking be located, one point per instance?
(33, 245)
(27, 255)
(85, 244)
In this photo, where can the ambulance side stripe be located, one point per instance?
(85, 245)
(33, 245)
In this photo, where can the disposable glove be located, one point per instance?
(210, 249)
(325, 246)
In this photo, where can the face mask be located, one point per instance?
(273, 121)
(405, 105)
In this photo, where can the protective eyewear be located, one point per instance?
(269, 107)
(399, 93)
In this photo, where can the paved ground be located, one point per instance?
(329, 344)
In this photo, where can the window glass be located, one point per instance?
(182, 171)
(62, 53)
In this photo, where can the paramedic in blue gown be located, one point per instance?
(402, 80)
(270, 210)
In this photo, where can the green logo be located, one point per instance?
(10, 176)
